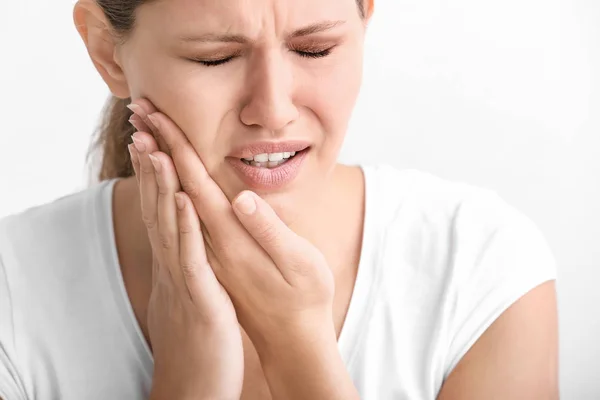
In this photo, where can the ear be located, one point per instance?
(370, 9)
(101, 43)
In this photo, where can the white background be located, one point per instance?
(503, 94)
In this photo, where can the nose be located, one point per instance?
(269, 102)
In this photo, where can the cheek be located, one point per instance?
(200, 114)
(333, 95)
(181, 94)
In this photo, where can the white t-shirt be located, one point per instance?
(441, 260)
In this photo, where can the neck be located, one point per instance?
(334, 227)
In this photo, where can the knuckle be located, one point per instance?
(166, 243)
(149, 221)
(135, 161)
(146, 169)
(189, 268)
(185, 228)
(191, 187)
(305, 261)
(299, 268)
(267, 233)
(162, 190)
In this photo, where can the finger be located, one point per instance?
(139, 124)
(282, 244)
(142, 108)
(168, 234)
(135, 161)
(200, 280)
(144, 145)
(209, 200)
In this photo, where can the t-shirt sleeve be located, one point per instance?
(11, 387)
(499, 256)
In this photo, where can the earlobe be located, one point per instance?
(96, 33)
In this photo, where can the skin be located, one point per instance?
(192, 322)
(256, 258)
(270, 92)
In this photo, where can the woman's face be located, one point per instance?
(267, 89)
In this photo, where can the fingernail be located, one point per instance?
(245, 204)
(179, 201)
(155, 163)
(154, 121)
(135, 124)
(139, 145)
(132, 152)
(137, 109)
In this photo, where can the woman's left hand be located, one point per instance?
(280, 284)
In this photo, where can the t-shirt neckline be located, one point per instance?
(363, 293)
(360, 300)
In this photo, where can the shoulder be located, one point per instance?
(419, 193)
(454, 256)
(462, 236)
(454, 216)
(52, 255)
(51, 228)
(429, 214)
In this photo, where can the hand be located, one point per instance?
(193, 328)
(280, 284)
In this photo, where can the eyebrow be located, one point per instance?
(307, 30)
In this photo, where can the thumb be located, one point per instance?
(272, 234)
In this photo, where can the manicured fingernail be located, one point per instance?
(154, 121)
(135, 124)
(245, 204)
(132, 153)
(137, 109)
(139, 145)
(179, 201)
(155, 163)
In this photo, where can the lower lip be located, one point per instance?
(269, 178)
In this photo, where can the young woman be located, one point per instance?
(225, 253)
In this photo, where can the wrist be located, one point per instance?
(188, 386)
(175, 394)
(284, 340)
(307, 365)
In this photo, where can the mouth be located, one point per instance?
(269, 166)
(272, 160)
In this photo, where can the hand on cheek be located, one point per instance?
(280, 283)
(191, 320)
(141, 120)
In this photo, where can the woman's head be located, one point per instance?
(286, 70)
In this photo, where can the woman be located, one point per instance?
(226, 254)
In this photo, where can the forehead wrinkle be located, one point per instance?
(257, 20)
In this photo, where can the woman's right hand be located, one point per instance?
(194, 332)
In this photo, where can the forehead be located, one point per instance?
(247, 16)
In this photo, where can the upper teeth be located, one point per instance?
(264, 157)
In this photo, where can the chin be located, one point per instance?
(287, 202)
(288, 206)
(291, 201)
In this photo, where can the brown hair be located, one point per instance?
(113, 134)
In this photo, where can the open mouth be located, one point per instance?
(271, 160)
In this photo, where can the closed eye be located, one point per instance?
(319, 54)
(215, 62)
(305, 54)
